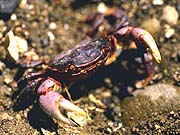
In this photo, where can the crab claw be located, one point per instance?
(143, 36)
(56, 106)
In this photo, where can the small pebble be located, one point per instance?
(108, 82)
(174, 55)
(23, 4)
(109, 130)
(66, 26)
(31, 55)
(46, 132)
(157, 127)
(2, 23)
(102, 8)
(172, 112)
(22, 44)
(45, 42)
(6, 116)
(170, 15)
(114, 126)
(18, 116)
(169, 33)
(158, 2)
(52, 26)
(93, 99)
(106, 94)
(13, 17)
(51, 36)
(7, 79)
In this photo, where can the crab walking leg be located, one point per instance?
(141, 37)
(148, 63)
(56, 106)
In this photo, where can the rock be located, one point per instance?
(170, 15)
(157, 91)
(12, 46)
(15, 45)
(154, 98)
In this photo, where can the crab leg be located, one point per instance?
(56, 106)
(142, 38)
(97, 21)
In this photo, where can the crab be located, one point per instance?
(82, 60)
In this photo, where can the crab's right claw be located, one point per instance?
(145, 37)
(55, 105)
(142, 38)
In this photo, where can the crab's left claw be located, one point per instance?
(145, 37)
(55, 105)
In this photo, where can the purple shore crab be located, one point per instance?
(84, 59)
